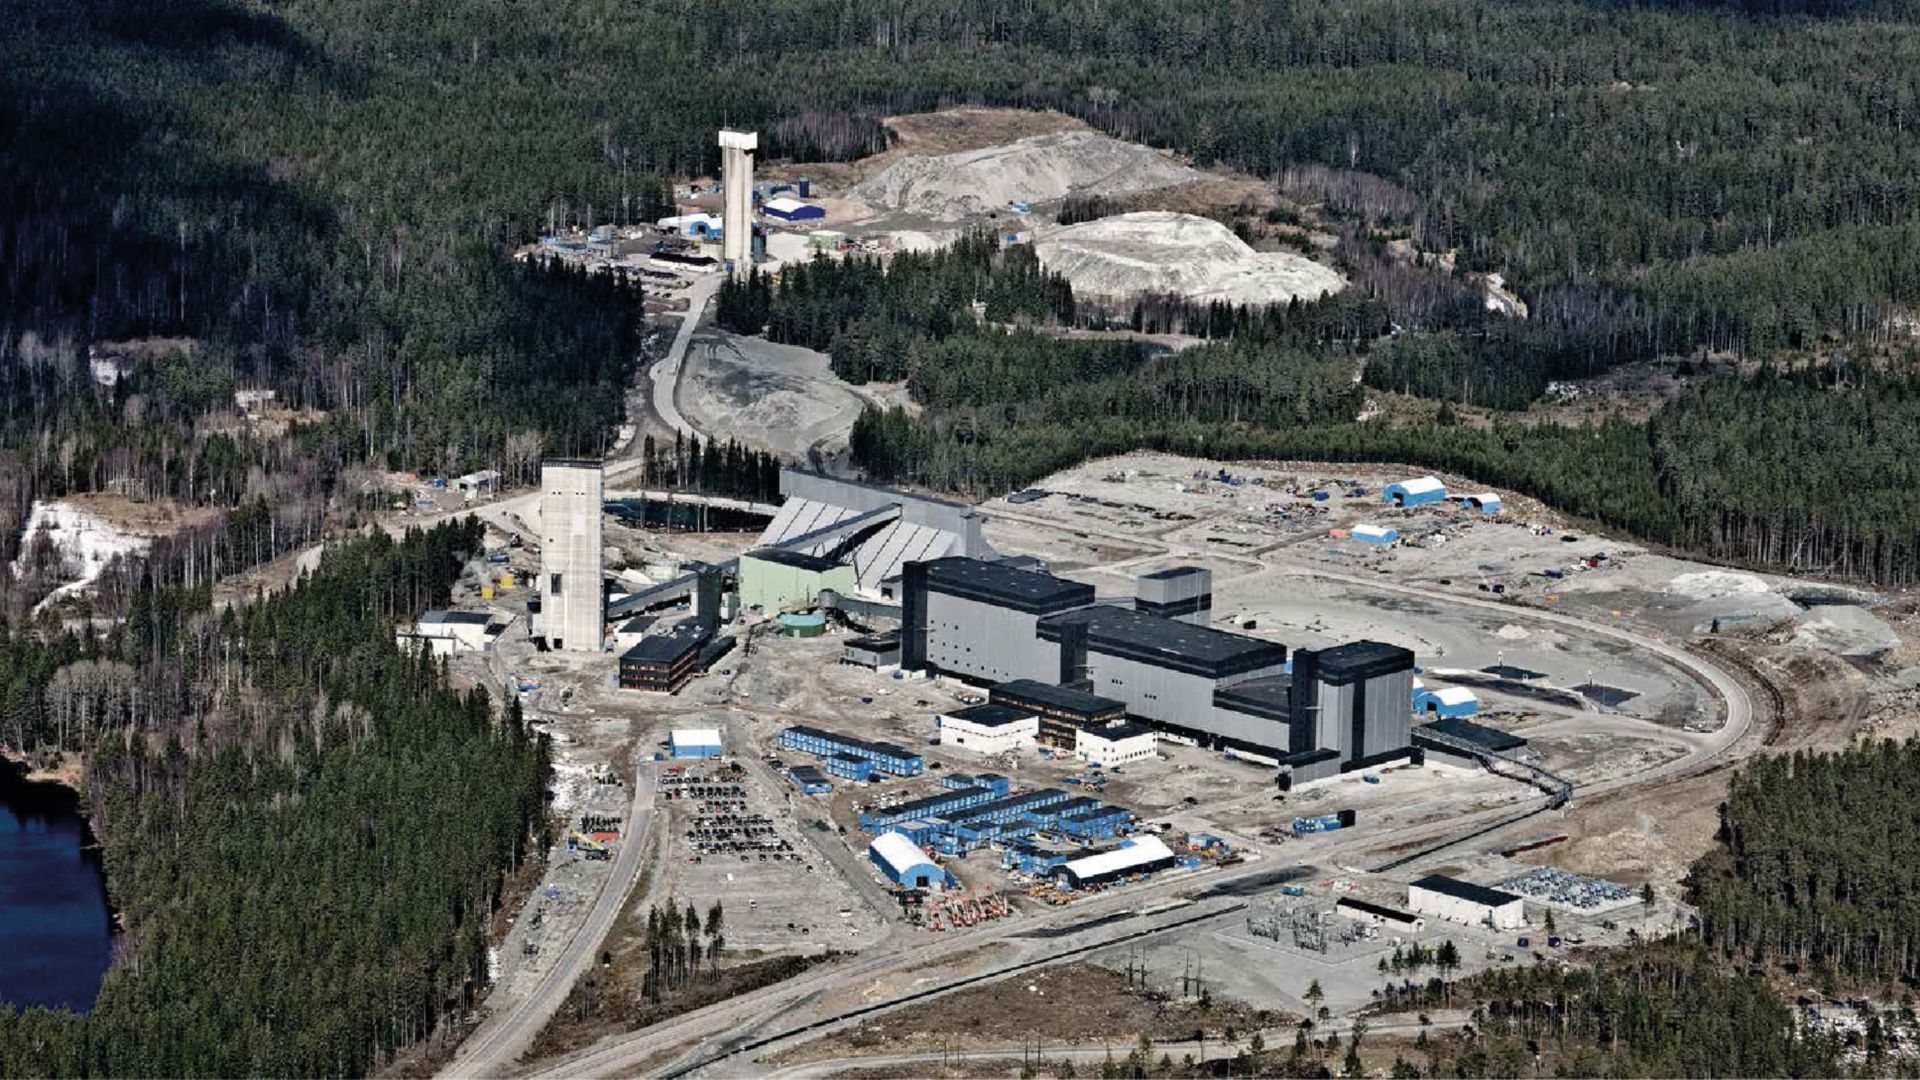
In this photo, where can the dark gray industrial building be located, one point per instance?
(1182, 592)
(1354, 699)
(977, 620)
(1165, 671)
(1041, 640)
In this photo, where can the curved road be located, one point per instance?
(665, 373)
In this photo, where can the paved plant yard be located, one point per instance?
(796, 902)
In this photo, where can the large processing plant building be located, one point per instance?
(986, 622)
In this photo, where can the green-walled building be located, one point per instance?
(774, 581)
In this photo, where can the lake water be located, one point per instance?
(55, 934)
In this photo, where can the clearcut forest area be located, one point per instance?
(271, 271)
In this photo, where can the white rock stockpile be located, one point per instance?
(1158, 252)
(1036, 169)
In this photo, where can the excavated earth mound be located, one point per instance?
(1036, 169)
(1156, 252)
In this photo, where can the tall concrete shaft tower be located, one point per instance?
(572, 617)
(736, 184)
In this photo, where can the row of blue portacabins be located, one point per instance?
(850, 758)
(986, 812)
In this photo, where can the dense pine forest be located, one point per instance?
(305, 829)
(1804, 877)
(321, 197)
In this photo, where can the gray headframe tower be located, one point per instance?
(736, 186)
(571, 591)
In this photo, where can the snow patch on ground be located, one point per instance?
(1157, 252)
(86, 542)
(1512, 632)
(1036, 169)
(570, 785)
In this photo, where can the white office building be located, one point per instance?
(989, 729)
(1116, 745)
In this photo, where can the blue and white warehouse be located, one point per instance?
(904, 864)
(694, 743)
(1455, 701)
(1416, 492)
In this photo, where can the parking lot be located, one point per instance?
(735, 842)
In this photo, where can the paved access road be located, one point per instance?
(503, 1036)
(665, 373)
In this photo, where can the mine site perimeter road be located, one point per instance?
(502, 1037)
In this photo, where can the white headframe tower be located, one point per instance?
(571, 593)
(736, 185)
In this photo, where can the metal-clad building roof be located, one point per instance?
(900, 854)
(1064, 698)
(996, 583)
(664, 648)
(798, 560)
(1362, 660)
(990, 716)
(1270, 697)
(1465, 890)
(1164, 642)
(455, 618)
(1139, 851)
(1117, 732)
(1478, 734)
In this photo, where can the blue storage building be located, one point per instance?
(904, 864)
(1416, 492)
(809, 780)
(793, 210)
(1457, 702)
(694, 743)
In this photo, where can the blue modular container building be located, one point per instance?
(920, 832)
(1029, 859)
(1012, 807)
(886, 757)
(1051, 814)
(1000, 785)
(1323, 823)
(849, 767)
(943, 805)
(809, 780)
(1099, 824)
(954, 781)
